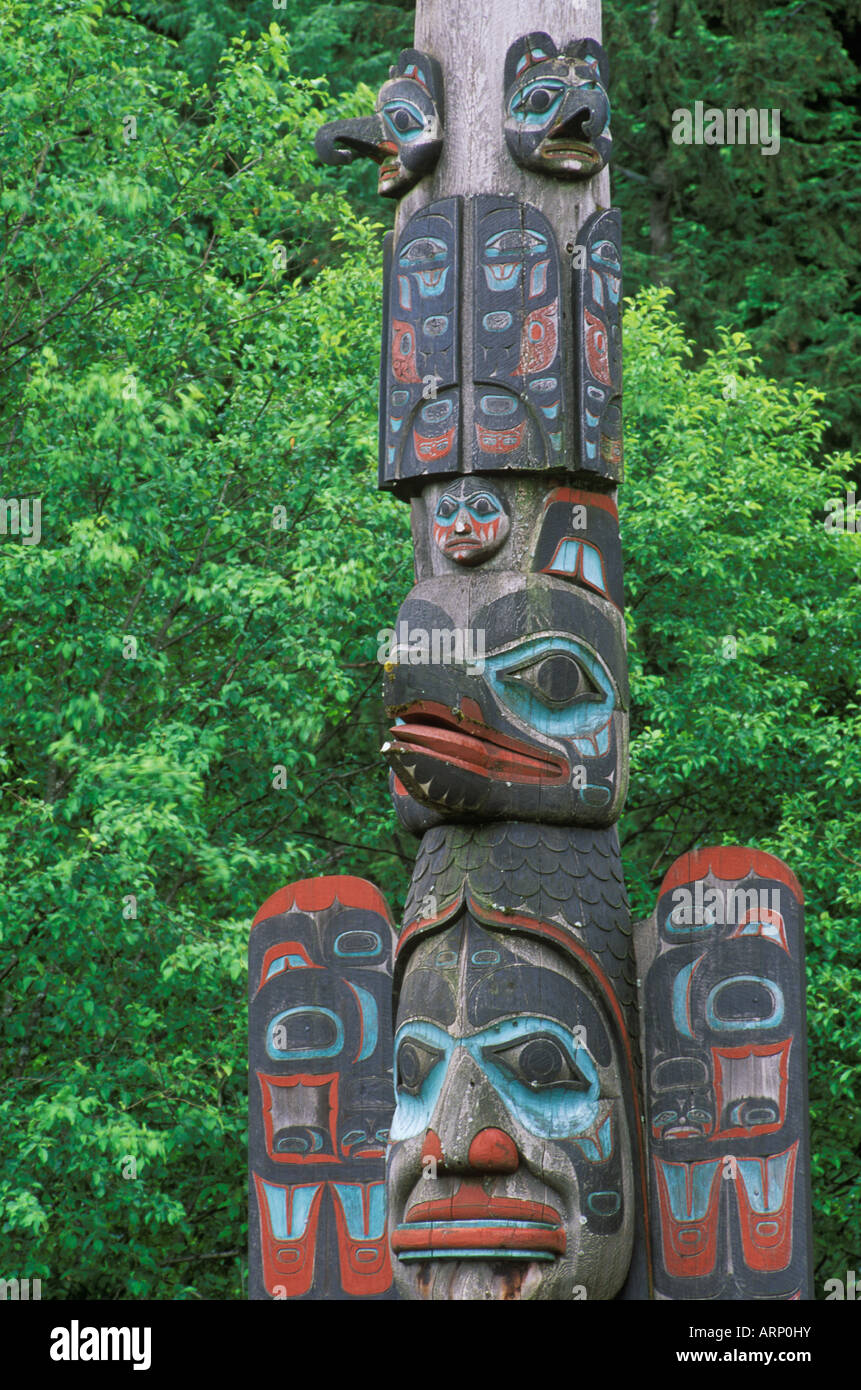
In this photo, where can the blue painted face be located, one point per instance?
(546, 1079)
(470, 523)
(510, 1144)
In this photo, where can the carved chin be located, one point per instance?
(560, 156)
(394, 178)
(473, 1280)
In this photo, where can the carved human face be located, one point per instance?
(557, 112)
(404, 136)
(510, 1172)
(470, 523)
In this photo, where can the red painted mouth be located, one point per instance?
(499, 441)
(429, 729)
(389, 168)
(436, 447)
(471, 1221)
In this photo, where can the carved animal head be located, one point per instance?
(404, 136)
(557, 112)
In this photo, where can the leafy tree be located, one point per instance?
(194, 416)
(765, 240)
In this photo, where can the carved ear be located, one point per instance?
(525, 52)
(425, 69)
(590, 51)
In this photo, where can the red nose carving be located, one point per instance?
(432, 1148)
(493, 1151)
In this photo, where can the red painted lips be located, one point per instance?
(455, 1223)
(430, 729)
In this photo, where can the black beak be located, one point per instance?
(340, 142)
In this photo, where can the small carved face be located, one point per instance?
(470, 523)
(557, 112)
(510, 1165)
(404, 136)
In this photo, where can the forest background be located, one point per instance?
(189, 712)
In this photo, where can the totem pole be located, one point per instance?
(567, 1118)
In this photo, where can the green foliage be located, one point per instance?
(190, 387)
(174, 637)
(766, 240)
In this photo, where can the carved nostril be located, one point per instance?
(576, 122)
(494, 1151)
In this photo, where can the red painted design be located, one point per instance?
(432, 1148)
(459, 544)
(611, 449)
(404, 352)
(764, 917)
(365, 1263)
(720, 1055)
(690, 1245)
(729, 862)
(270, 1083)
(766, 1237)
(597, 346)
(578, 498)
(500, 441)
(428, 448)
(577, 573)
(316, 894)
(493, 1151)
(288, 1265)
(539, 340)
(430, 729)
(285, 948)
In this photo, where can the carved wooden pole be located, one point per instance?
(517, 1163)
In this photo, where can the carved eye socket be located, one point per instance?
(557, 680)
(403, 118)
(483, 506)
(416, 1061)
(540, 99)
(537, 99)
(446, 508)
(539, 1061)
